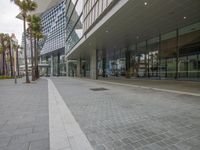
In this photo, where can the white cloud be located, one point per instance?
(8, 21)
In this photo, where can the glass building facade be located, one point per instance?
(74, 26)
(62, 27)
(53, 23)
(53, 45)
(169, 55)
(74, 30)
(80, 16)
(150, 42)
(93, 10)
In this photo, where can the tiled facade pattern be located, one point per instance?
(92, 9)
(53, 22)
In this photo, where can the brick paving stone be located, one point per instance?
(24, 146)
(39, 145)
(99, 147)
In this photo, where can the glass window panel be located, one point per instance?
(104, 4)
(189, 29)
(152, 57)
(189, 40)
(168, 45)
(140, 60)
(183, 67)
(193, 66)
(171, 67)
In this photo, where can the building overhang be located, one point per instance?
(129, 22)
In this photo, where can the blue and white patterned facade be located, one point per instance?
(53, 23)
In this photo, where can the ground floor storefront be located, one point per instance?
(172, 55)
(56, 63)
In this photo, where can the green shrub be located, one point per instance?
(5, 77)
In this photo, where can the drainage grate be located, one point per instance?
(98, 89)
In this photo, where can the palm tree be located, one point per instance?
(16, 48)
(8, 46)
(25, 6)
(30, 33)
(2, 38)
(1, 52)
(37, 34)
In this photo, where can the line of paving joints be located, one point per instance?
(143, 87)
(65, 133)
(152, 88)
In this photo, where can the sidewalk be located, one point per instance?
(78, 114)
(35, 117)
(24, 120)
(183, 86)
(117, 117)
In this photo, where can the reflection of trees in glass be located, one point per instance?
(73, 39)
(153, 62)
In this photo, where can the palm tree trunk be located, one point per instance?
(37, 69)
(33, 70)
(3, 62)
(6, 67)
(3, 58)
(36, 58)
(25, 54)
(11, 60)
(17, 61)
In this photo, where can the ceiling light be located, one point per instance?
(184, 17)
(145, 3)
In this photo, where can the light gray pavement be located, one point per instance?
(128, 118)
(119, 118)
(24, 120)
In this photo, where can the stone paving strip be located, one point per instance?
(65, 133)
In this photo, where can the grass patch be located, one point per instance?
(6, 77)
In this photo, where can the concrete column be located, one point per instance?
(93, 64)
(58, 65)
(51, 65)
(104, 62)
(67, 68)
(79, 68)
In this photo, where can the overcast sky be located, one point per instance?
(8, 21)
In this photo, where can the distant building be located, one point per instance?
(54, 46)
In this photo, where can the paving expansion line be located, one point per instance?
(143, 87)
(64, 131)
(151, 88)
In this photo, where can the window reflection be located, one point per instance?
(74, 26)
(171, 55)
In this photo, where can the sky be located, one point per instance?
(8, 21)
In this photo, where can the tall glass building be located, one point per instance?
(53, 45)
(141, 39)
(57, 26)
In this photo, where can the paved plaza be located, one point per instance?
(97, 115)
(24, 120)
(126, 118)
